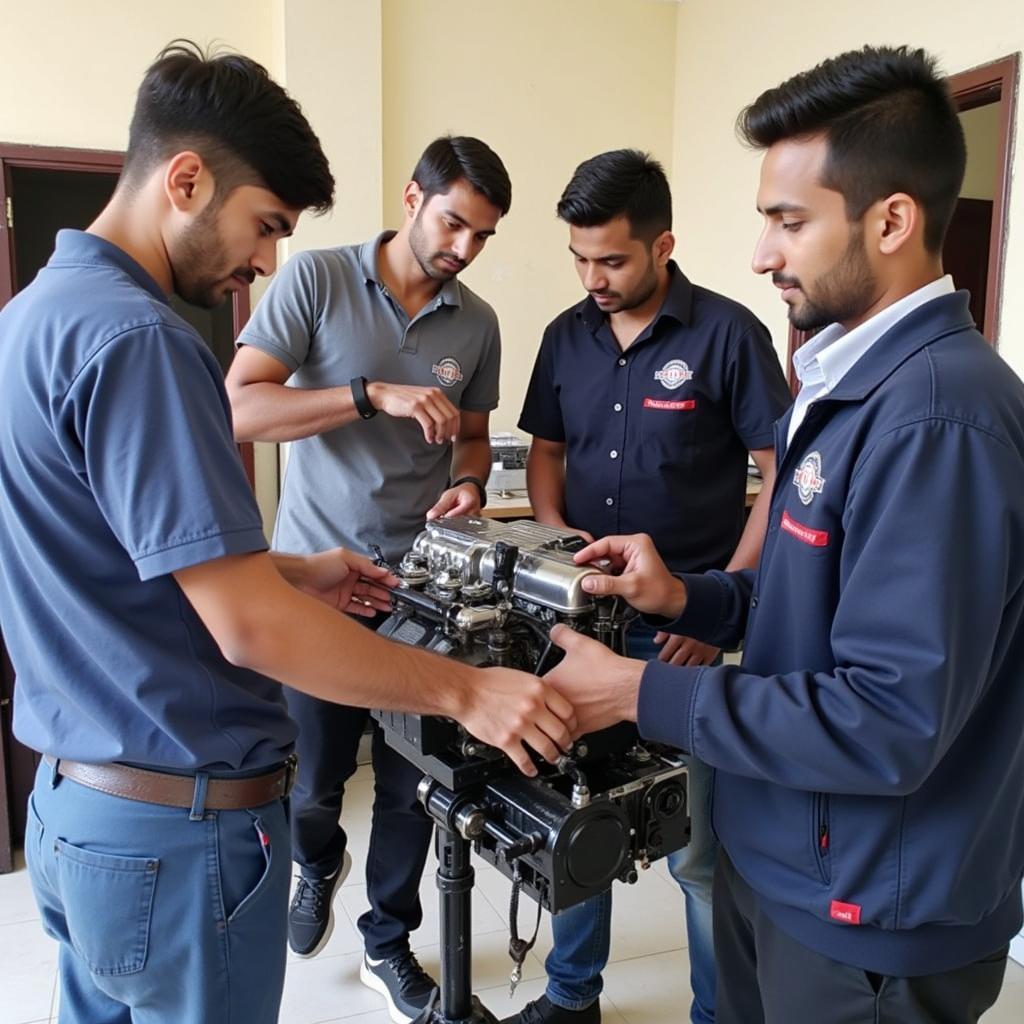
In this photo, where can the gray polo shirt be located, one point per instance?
(328, 317)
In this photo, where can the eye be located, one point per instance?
(266, 230)
(613, 264)
(792, 225)
(450, 225)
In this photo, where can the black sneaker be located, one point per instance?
(543, 1011)
(405, 986)
(311, 914)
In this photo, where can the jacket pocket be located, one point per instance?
(108, 902)
(821, 837)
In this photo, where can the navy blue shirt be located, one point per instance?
(657, 435)
(118, 468)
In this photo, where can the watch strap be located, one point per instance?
(478, 483)
(366, 409)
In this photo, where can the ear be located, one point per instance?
(663, 247)
(895, 221)
(188, 183)
(412, 198)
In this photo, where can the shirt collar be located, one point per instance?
(830, 355)
(678, 303)
(449, 294)
(75, 248)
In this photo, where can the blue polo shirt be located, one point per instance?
(657, 435)
(118, 468)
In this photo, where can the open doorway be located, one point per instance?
(974, 248)
(43, 190)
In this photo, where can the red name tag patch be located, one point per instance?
(848, 913)
(664, 403)
(816, 538)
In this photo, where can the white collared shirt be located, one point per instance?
(823, 362)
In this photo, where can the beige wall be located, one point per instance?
(731, 50)
(546, 83)
(981, 132)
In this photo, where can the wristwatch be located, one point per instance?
(364, 406)
(478, 483)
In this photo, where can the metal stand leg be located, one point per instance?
(456, 1003)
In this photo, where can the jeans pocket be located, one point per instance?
(108, 902)
(33, 837)
(265, 861)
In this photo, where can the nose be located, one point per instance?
(462, 246)
(766, 258)
(594, 278)
(264, 260)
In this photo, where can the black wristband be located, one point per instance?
(478, 483)
(364, 406)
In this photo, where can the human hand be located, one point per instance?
(684, 650)
(436, 415)
(507, 708)
(643, 579)
(347, 581)
(463, 500)
(601, 686)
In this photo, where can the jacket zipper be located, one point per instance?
(822, 838)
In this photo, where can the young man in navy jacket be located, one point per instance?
(868, 750)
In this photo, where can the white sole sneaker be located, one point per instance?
(339, 881)
(370, 980)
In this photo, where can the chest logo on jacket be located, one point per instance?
(673, 374)
(808, 479)
(448, 372)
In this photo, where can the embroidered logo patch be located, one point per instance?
(664, 403)
(448, 372)
(808, 479)
(816, 538)
(848, 913)
(673, 374)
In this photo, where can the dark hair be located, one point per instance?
(227, 109)
(452, 157)
(623, 182)
(890, 125)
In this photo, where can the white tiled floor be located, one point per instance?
(646, 983)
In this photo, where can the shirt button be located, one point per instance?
(609, 501)
(613, 454)
(753, 602)
(617, 407)
(622, 362)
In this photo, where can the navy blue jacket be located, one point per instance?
(869, 752)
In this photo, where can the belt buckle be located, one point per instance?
(291, 767)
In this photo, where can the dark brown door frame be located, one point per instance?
(990, 83)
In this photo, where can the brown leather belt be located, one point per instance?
(179, 790)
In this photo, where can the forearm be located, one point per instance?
(265, 411)
(748, 550)
(471, 456)
(545, 484)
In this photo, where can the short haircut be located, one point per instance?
(623, 182)
(453, 157)
(226, 108)
(890, 125)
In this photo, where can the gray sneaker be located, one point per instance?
(405, 986)
(311, 914)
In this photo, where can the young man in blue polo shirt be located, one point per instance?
(645, 400)
(381, 368)
(868, 751)
(145, 618)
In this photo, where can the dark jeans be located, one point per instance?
(400, 830)
(765, 977)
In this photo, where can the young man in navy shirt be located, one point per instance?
(645, 400)
(145, 618)
(868, 751)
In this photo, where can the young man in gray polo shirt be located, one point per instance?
(393, 366)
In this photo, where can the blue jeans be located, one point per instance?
(161, 919)
(582, 934)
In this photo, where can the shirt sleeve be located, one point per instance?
(911, 656)
(287, 318)
(482, 392)
(759, 394)
(542, 412)
(148, 423)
